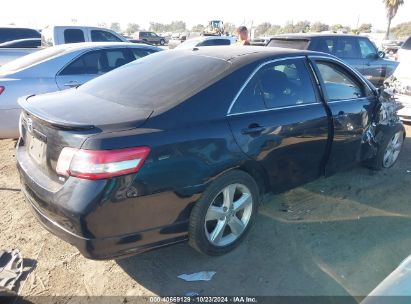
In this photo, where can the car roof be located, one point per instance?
(312, 35)
(242, 55)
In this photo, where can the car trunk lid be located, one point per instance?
(53, 121)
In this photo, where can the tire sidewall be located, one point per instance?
(197, 235)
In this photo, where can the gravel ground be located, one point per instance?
(336, 236)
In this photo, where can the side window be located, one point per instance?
(368, 50)
(407, 44)
(139, 53)
(286, 83)
(73, 36)
(250, 99)
(89, 63)
(322, 44)
(115, 59)
(211, 42)
(347, 47)
(101, 36)
(339, 84)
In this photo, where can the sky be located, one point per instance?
(40, 13)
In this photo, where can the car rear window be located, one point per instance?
(10, 34)
(160, 80)
(299, 44)
(31, 59)
(407, 44)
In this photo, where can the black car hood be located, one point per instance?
(75, 109)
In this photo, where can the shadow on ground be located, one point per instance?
(335, 236)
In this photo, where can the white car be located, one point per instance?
(402, 83)
(58, 68)
(207, 41)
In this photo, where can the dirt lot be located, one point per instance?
(335, 236)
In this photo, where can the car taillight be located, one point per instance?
(2, 89)
(100, 164)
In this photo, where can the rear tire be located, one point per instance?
(389, 147)
(224, 214)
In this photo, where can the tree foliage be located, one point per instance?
(132, 28)
(115, 26)
(319, 27)
(402, 30)
(391, 8)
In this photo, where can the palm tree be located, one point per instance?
(391, 6)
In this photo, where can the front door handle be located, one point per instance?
(72, 84)
(252, 129)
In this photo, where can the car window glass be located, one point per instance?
(347, 47)
(101, 36)
(407, 44)
(10, 34)
(250, 98)
(368, 50)
(286, 83)
(339, 84)
(300, 44)
(322, 44)
(89, 63)
(73, 36)
(115, 59)
(139, 53)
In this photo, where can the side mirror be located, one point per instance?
(381, 54)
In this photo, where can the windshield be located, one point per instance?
(299, 44)
(31, 59)
(160, 80)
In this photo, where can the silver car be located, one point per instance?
(59, 68)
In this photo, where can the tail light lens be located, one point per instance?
(2, 88)
(100, 164)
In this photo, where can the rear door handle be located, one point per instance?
(253, 129)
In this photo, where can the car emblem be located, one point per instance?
(29, 125)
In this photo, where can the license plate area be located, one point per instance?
(36, 148)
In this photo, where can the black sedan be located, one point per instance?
(126, 163)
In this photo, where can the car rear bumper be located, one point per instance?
(95, 218)
(106, 248)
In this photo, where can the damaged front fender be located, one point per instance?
(385, 116)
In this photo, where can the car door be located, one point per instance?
(90, 65)
(349, 51)
(278, 120)
(375, 68)
(351, 103)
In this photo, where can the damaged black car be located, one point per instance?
(182, 145)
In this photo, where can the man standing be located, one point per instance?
(242, 33)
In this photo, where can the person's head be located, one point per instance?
(242, 32)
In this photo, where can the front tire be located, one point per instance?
(162, 42)
(389, 147)
(224, 214)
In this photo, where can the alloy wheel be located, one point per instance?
(228, 215)
(393, 149)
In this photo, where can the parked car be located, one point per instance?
(404, 53)
(56, 35)
(358, 51)
(206, 41)
(187, 151)
(10, 36)
(22, 43)
(400, 82)
(150, 37)
(10, 33)
(178, 38)
(58, 68)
